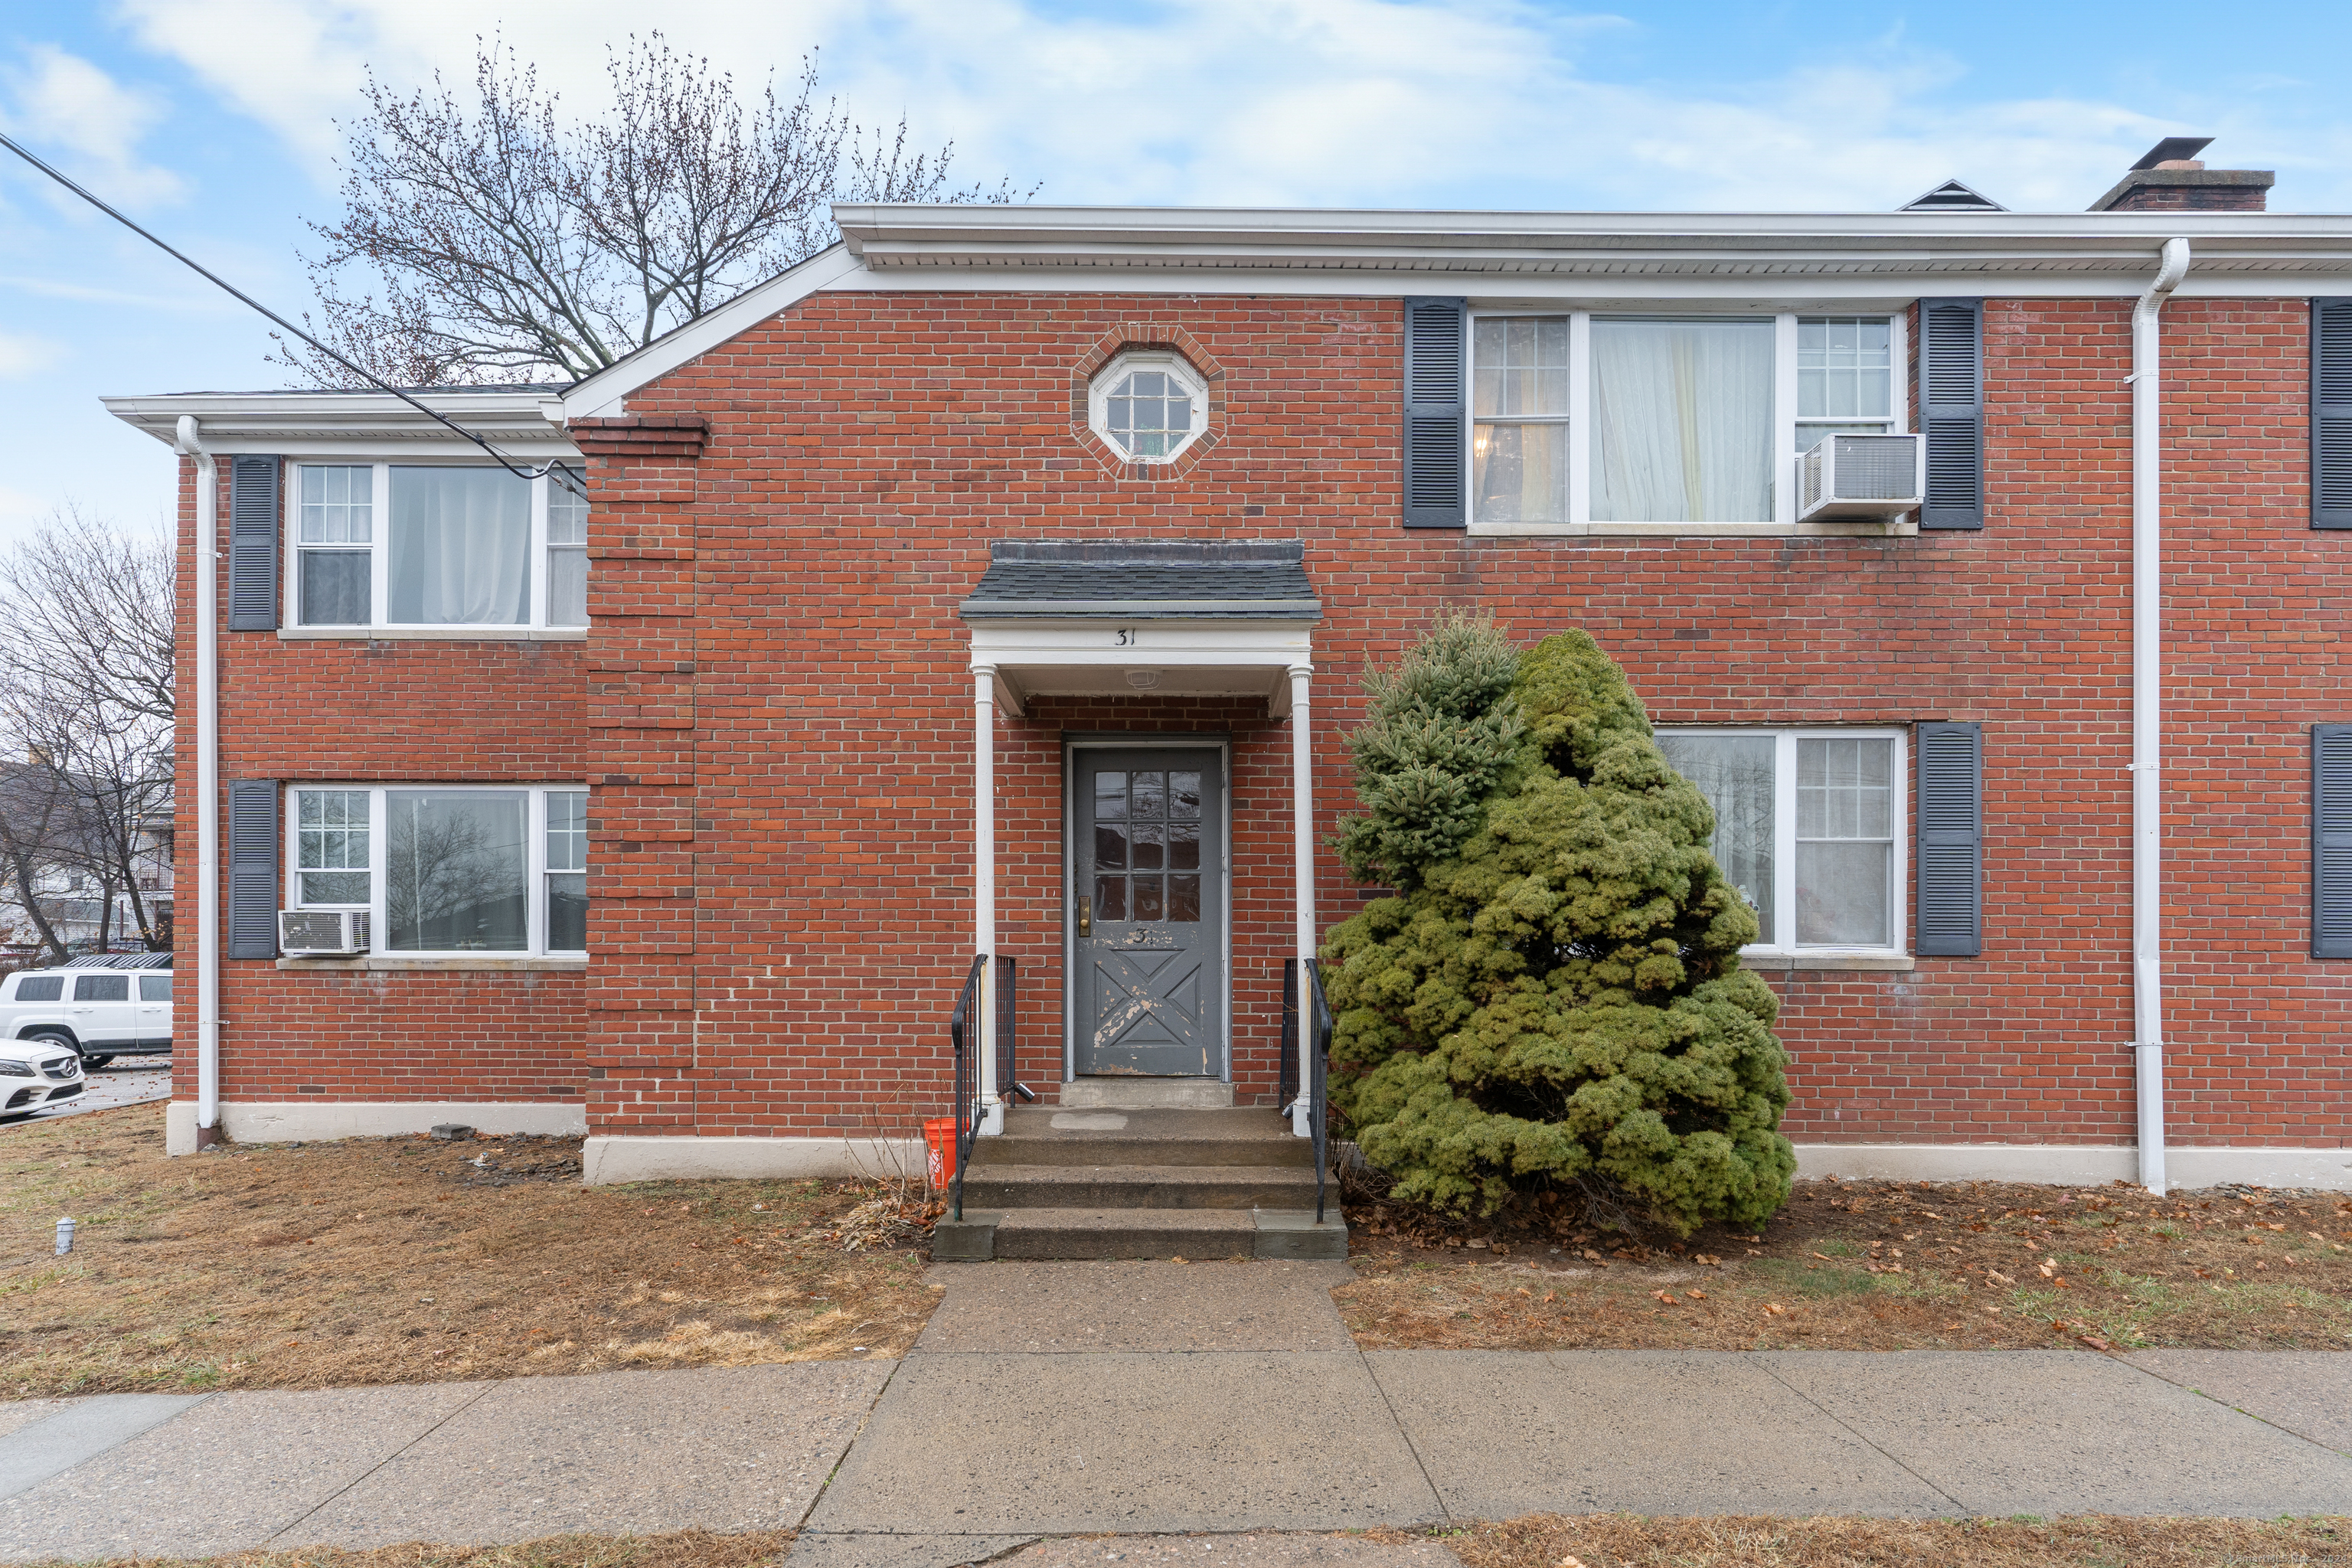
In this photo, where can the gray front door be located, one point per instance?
(1147, 867)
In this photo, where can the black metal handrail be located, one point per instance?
(971, 1109)
(1319, 1022)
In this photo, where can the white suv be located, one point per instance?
(99, 1008)
(34, 1073)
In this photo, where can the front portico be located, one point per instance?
(1146, 894)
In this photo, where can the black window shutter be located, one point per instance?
(1436, 343)
(2331, 841)
(253, 868)
(2331, 413)
(1950, 840)
(1951, 411)
(253, 523)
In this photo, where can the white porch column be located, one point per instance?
(1302, 818)
(984, 883)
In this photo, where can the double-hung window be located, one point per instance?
(1808, 829)
(1590, 420)
(445, 870)
(401, 545)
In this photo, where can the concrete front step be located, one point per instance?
(1146, 1093)
(1045, 1136)
(1117, 1233)
(1014, 1187)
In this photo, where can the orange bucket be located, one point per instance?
(940, 1132)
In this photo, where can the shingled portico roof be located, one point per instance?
(1209, 578)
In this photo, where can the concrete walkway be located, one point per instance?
(1064, 1398)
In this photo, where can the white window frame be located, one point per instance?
(379, 553)
(1783, 521)
(1784, 836)
(534, 859)
(1098, 398)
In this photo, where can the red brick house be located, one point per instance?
(1000, 581)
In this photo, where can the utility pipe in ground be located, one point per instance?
(2147, 714)
(191, 444)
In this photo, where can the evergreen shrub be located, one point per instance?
(1553, 996)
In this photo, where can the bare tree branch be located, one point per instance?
(499, 240)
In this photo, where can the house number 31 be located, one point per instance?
(1123, 637)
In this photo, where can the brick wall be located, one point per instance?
(390, 712)
(778, 711)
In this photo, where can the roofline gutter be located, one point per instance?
(189, 442)
(2148, 712)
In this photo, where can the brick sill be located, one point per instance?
(1848, 961)
(432, 634)
(483, 966)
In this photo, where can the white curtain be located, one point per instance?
(1681, 416)
(460, 547)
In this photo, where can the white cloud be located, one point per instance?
(23, 354)
(62, 102)
(1375, 102)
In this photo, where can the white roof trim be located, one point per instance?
(523, 422)
(605, 393)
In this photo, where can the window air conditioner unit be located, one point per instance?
(1861, 476)
(322, 933)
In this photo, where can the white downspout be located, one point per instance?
(2148, 714)
(191, 444)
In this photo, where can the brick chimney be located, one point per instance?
(2171, 178)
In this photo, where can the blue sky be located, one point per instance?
(214, 122)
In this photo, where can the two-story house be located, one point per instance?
(999, 582)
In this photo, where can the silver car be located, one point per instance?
(35, 1073)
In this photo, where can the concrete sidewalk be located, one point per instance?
(1061, 1398)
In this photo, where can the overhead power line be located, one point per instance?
(550, 466)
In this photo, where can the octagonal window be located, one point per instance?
(1149, 406)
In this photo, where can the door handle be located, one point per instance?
(1085, 917)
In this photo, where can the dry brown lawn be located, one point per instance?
(1877, 1266)
(1596, 1540)
(410, 1260)
(2098, 1541)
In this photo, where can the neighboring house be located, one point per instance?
(1003, 580)
(73, 898)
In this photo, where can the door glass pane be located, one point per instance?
(1183, 846)
(1148, 846)
(1110, 847)
(102, 988)
(1149, 794)
(334, 586)
(1110, 796)
(1184, 796)
(1846, 841)
(567, 911)
(1735, 774)
(1681, 414)
(455, 871)
(1184, 898)
(1110, 897)
(154, 988)
(1147, 898)
(460, 547)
